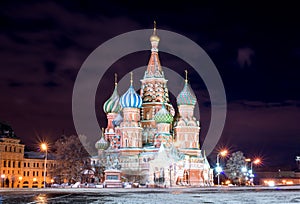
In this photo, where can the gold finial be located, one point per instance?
(131, 81)
(154, 28)
(116, 79)
(186, 79)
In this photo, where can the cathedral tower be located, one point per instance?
(130, 128)
(187, 127)
(163, 119)
(112, 107)
(154, 92)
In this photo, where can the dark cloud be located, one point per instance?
(50, 66)
(50, 84)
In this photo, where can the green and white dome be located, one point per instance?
(112, 105)
(102, 144)
(186, 96)
(163, 116)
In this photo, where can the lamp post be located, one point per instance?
(2, 179)
(170, 172)
(223, 153)
(20, 181)
(44, 147)
(256, 162)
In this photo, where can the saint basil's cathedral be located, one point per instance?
(143, 139)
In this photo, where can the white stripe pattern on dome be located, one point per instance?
(112, 104)
(131, 99)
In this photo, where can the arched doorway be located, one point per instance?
(7, 182)
(186, 177)
(88, 176)
(25, 184)
(35, 184)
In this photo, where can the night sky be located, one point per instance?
(255, 48)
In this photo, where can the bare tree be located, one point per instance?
(72, 159)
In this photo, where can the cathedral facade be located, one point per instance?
(143, 139)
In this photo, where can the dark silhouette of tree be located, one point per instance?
(72, 159)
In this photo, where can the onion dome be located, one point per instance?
(112, 105)
(131, 99)
(163, 116)
(102, 144)
(186, 96)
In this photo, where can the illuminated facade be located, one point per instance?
(20, 169)
(145, 141)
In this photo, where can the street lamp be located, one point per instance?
(170, 172)
(223, 153)
(44, 147)
(256, 162)
(20, 181)
(2, 178)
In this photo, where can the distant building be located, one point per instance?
(279, 178)
(145, 139)
(20, 169)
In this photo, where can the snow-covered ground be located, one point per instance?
(282, 195)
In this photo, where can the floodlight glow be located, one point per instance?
(219, 169)
(271, 183)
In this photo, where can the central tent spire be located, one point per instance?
(154, 69)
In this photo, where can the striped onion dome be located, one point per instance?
(131, 99)
(112, 105)
(163, 116)
(186, 97)
(102, 144)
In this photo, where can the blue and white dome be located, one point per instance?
(131, 99)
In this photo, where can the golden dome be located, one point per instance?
(154, 38)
